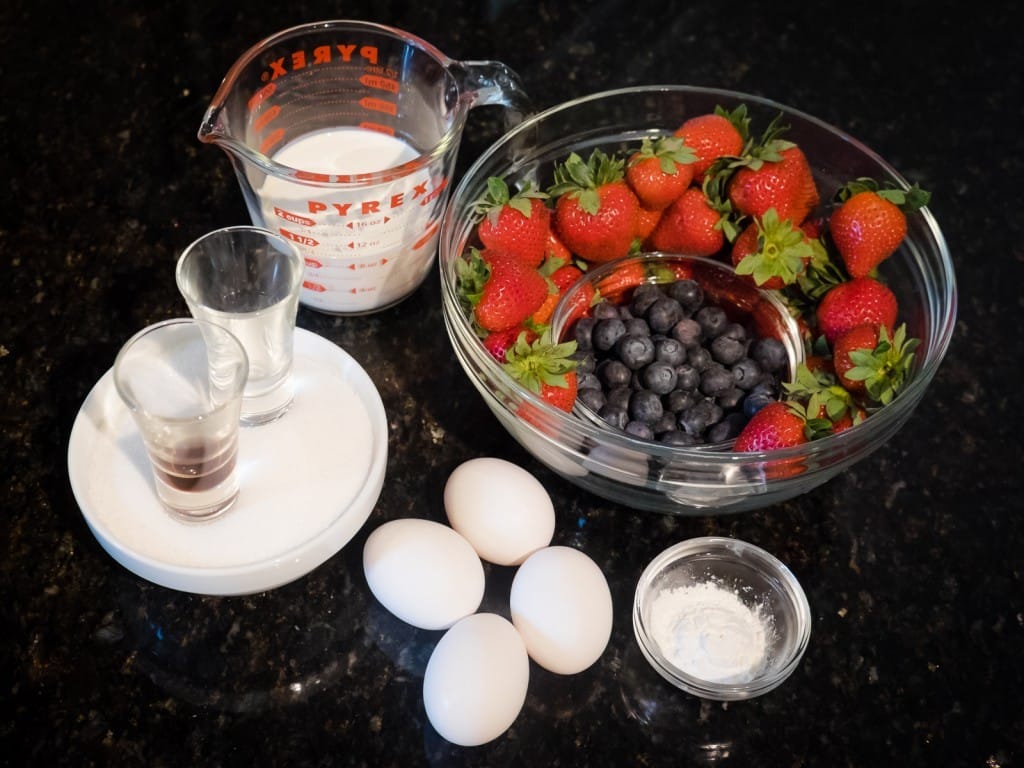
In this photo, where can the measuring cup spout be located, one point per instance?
(489, 83)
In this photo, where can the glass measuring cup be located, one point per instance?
(343, 136)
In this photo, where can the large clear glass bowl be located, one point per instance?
(689, 480)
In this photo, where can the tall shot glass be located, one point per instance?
(247, 279)
(182, 381)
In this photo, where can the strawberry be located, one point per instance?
(517, 224)
(595, 213)
(498, 343)
(646, 221)
(774, 253)
(776, 425)
(785, 184)
(545, 368)
(870, 223)
(689, 226)
(660, 171)
(502, 289)
(855, 302)
(826, 406)
(623, 277)
(556, 248)
(868, 361)
(711, 136)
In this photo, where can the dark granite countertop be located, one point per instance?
(911, 559)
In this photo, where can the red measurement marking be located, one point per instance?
(311, 286)
(380, 83)
(312, 263)
(310, 176)
(426, 236)
(294, 218)
(435, 192)
(261, 95)
(378, 105)
(269, 142)
(263, 120)
(300, 239)
(378, 128)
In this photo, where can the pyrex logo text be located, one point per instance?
(322, 54)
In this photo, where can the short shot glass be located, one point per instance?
(182, 381)
(247, 279)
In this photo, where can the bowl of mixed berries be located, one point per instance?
(691, 300)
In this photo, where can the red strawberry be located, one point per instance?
(646, 221)
(855, 302)
(787, 185)
(660, 171)
(716, 135)
(688, 226)
(517, 224)
(623, 277)
(546, 369)
(868, 361)
(503, 290)
(774, 253)
(826, 406)
(774, 426)
(556, 248)
(870, 224)
(498, 343)
(595, 215)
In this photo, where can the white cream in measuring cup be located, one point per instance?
(343, 136)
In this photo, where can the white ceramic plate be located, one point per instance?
(308, 483)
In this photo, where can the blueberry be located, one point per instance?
(594, 399)
(613, 373)
(618, 397)
(715, 380)
(679, 400)
(754, 402)
(660, 378)
(767, 385)
(645, 406)
(639, 429)
(770, 354)
(587, 380)
(699, 358)
(643, 297)
(688, 293)
(585, 362)
(669, 350)
(735, 331)
(687, 377)
(637, 326)
(666, 423)
(678, 437)
(746, 373)
(728, 350)
(712, 320)
(731, 398)
(697, 419)
(582, 332)
(663, 314)
(624, 314)
(607, 332)
(728, 428)
(635, 351)
(604, 310)
(687, 332)
(614, 415)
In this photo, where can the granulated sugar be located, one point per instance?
(707, 631)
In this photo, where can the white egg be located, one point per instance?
(562, 607)
(425, 573)
(501, 509)
(476, 680)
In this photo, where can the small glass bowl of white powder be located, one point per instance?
(721, 618)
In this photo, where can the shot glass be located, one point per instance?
(247, 279)
(182, 380)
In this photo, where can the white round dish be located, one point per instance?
(309, 482)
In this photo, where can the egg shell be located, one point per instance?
(562, 606)
(476, 680)
(501, 509)
(425, 573)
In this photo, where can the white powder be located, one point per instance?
(709, 633)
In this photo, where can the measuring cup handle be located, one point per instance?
(493, 83)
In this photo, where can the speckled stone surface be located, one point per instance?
(911, 559)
